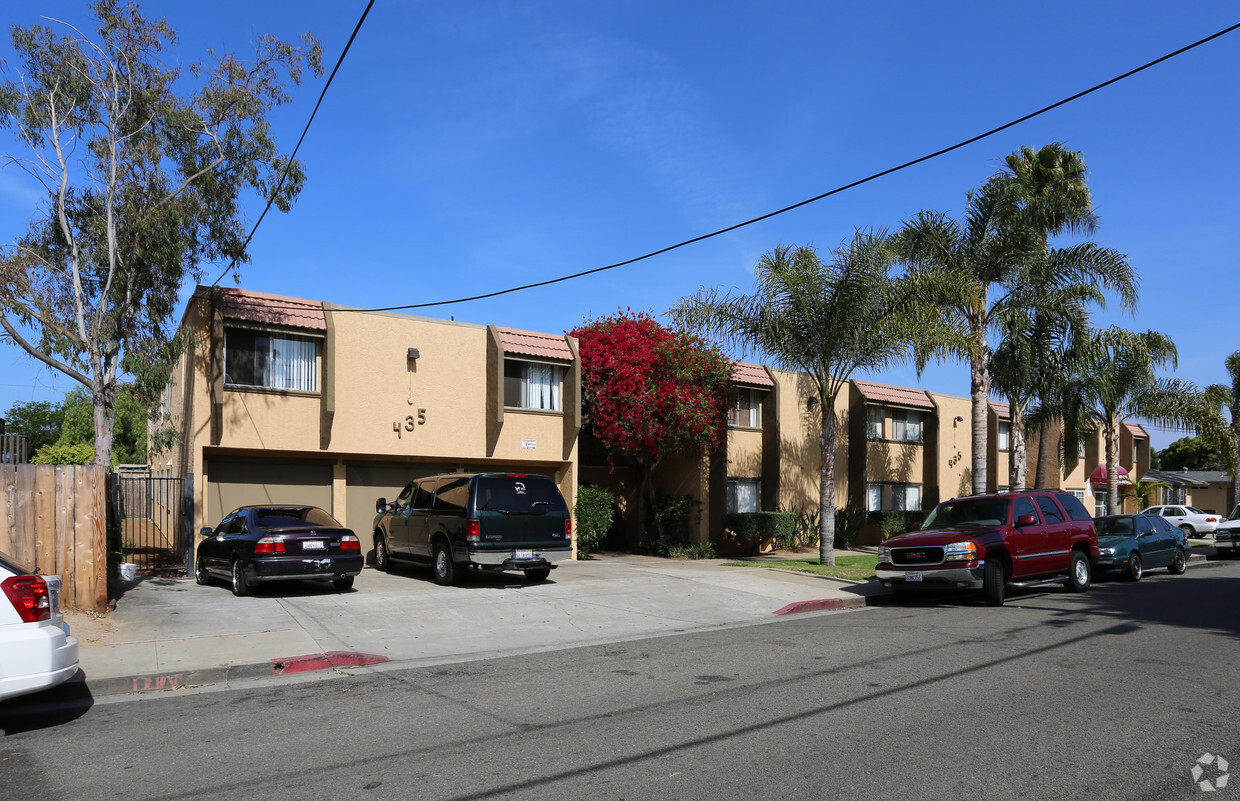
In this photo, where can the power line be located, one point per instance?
(786, 209)
(284, 175)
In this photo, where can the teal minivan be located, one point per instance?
(492, 521)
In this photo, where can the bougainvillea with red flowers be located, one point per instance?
(649, 391)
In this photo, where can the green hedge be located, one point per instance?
(594, 512)
(762, 525)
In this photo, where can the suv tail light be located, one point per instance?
(473, 530)
(568, 528)
(29, 597)
(350, 542)
(269, 545)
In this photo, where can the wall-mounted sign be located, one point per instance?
(529, 444)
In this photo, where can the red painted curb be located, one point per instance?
(329, 659)
(811, 606)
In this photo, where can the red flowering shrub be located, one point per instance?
(648, 391)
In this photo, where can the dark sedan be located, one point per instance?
(278, 543)
(1129, 544)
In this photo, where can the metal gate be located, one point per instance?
(154, 515)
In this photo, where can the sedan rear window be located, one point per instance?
(277, 517)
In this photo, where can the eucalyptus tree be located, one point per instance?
(825, 319)
(140, 173)
(1228, 396)
(1115, 381)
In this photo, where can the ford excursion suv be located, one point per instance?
(492, 521)
(986, 542)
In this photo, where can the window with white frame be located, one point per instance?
(901, 497)
(532, 385)
(1005, 435)
(1081, 448)
(1079, 495)
(1100, 503)
(744, 411)
(272, 361)
(873, 422)
(743, 495)
(906, 425)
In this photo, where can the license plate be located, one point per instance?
(913, 575)
(524, 555)
(313, 545)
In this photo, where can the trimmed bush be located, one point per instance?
(779, 526)
(594, 512)
(81, 453)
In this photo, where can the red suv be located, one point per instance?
(986, 542)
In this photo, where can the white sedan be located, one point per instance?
(1190, 518)
(36, 651)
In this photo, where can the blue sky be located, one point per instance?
(471, 146)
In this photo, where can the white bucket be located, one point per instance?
(128, 571)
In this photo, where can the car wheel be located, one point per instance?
(240, 584)
(1188, 530)
(342, 584)
(383, 560)
(200, 572)
(537, 573)
(1134, 567)
(1078, 573)
(1178, 565)
(444, 570)
(993, 583)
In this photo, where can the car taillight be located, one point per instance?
(1211, 519)
(568, 527)
(29, 597)
(473, 530)
(350, 542)
(269, 545)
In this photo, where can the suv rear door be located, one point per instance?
(525, 511)
(1058, 534)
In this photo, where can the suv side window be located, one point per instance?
(402, 500)
(1023, 506)
(452, 496)
(1050, 512)
(1075, 509)
(423, 492)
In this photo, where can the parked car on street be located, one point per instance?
(1227, 535)
(492, 521)
(1131, 544)
(986, 542)
(278, 542)
(36, 650)
(1191, 519)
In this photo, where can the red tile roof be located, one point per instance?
(1002, 410)
(899, 396)
(532, 343)
(259, 307)
(752, 375)
(1135, 429)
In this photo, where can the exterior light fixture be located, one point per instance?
(413, 354)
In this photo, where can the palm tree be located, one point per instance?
(955, 267)
(1115, 382)
(1049, 196)
(824, 319)
(1223, 395)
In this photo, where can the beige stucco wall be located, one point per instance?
(744, 453)
(953, 444)
(799, 449)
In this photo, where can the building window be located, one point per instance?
(1005, 435)
(899, 497)
(873, 422)
(1081, 448)
(1079, 495)
(1100, 503)
(905, 425)
(744, 410)
(742, 495)
(271, 361)
(532, 385)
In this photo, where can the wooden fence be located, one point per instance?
(54, 518)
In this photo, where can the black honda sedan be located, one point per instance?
(278, 543)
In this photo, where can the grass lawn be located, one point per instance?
(858, 567)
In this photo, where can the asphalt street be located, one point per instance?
(1114, 694)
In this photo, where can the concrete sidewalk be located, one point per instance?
(170, 634)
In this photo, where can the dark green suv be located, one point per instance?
(493, 521)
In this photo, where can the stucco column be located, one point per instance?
(339, 486)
